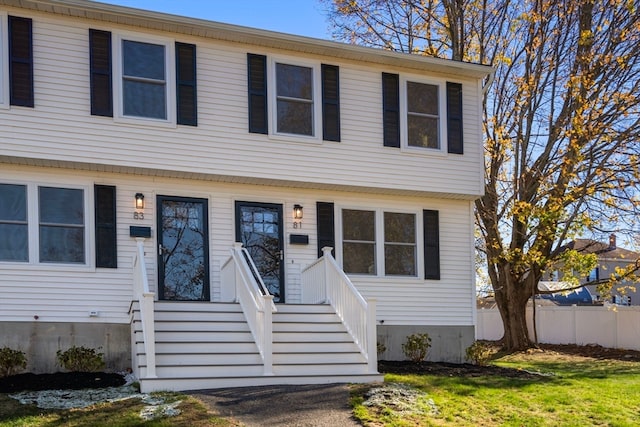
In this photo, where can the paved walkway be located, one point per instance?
(285, 405)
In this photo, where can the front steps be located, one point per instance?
(208, 345)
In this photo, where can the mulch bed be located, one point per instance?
(451, 369)
(60, 381)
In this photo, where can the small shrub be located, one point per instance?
(416, 347)
(380, 348)
(479, 353)
(11, 361)
(80, 359)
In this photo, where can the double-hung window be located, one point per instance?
(379, 243)
(53, 231)
(422, 115)
(144, 80)
(294, 99)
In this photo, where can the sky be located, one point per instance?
(299, 17)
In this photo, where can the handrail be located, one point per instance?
(255, 301)
(325, 281)
(145, 297)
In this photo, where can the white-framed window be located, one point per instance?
(379, 242)
(423, 109)
(4, 61)
(295, 104)
(144, 79)
(44, 224)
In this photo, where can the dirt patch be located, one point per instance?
(60, 381)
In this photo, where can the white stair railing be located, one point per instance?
(325, 281)
(255, 300)
(145, 298)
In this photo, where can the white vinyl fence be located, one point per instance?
(612, 326)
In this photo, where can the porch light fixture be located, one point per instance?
(297, 212)
(139, 201)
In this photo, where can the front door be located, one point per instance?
(259, 229)
(183, 249)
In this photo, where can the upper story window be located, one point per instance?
(422, 115)
(304, 101)
(144, 80)
(144, 77)
(294, 99)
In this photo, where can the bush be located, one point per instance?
(479, 353)
(80, 359)
(11, 361)
(416, 347)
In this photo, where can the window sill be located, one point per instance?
(142, 121)
(298, 139)
(58, 267)
(405, 280)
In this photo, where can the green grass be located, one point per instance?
(118, 414)
(581, 392)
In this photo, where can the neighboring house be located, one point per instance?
(610, 257)
(137, 147)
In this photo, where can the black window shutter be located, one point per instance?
(257, 72)
(330, 102)
(186, 94)
(391, 109)
(100, 72)
(106, 236)
(20, 61)
(454, 118)
(326, 226)
(431, 245)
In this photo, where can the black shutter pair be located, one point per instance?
(20, 61)
(105, 226)
(258, 103)
(101, 78)
(431, 231)
(391, 113)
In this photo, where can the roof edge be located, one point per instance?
(240, 34)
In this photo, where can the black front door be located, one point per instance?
(259, 229)
(183, 249)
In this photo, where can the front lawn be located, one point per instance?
(565, 390)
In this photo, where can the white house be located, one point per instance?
(137, 147)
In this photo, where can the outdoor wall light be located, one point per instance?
(139, 201)
(297, 212)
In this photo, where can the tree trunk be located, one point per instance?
(512, 296)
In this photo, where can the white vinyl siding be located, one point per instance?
(221, 143)
(56, 292)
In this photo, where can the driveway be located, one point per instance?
(284, 405)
